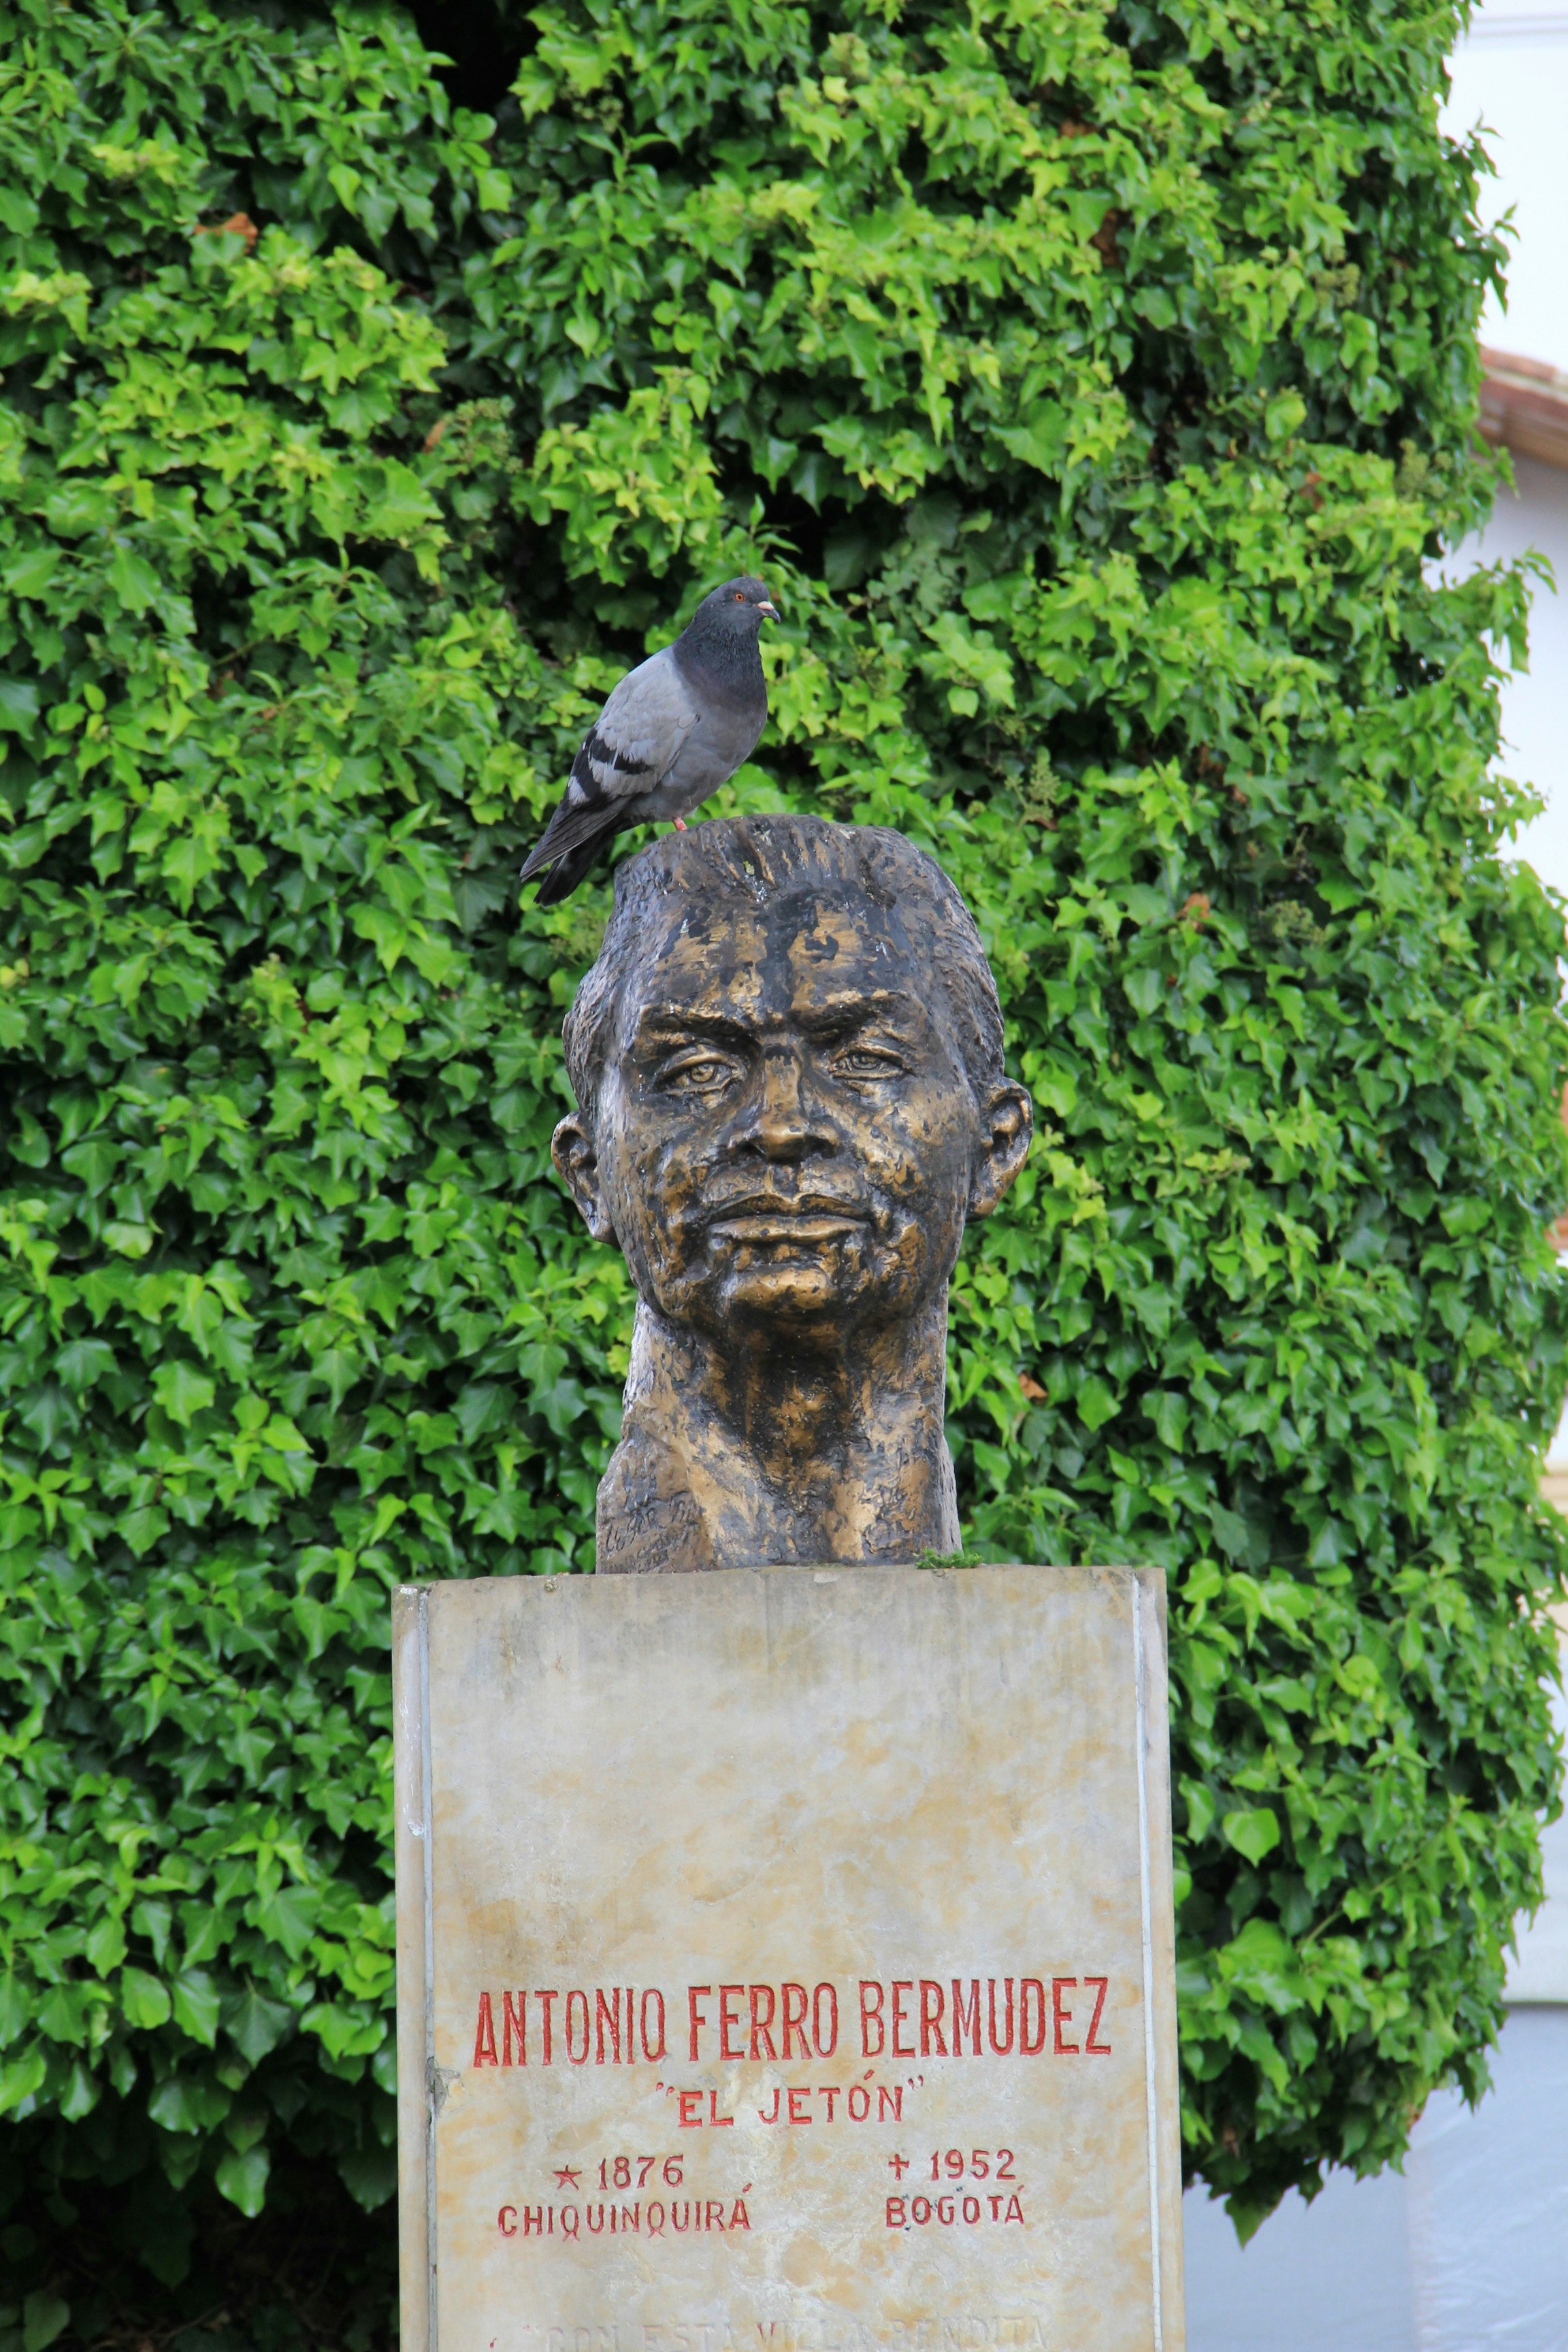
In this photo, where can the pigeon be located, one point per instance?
(674, 728)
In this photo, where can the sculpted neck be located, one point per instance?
(774, 1452)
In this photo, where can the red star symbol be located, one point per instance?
(565, 2175)
(898, 2166)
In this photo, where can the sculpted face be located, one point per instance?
(787, 1135)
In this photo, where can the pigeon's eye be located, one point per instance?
(740, 596)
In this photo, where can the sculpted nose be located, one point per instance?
(779, 1124)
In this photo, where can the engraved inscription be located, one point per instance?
(900, 2017)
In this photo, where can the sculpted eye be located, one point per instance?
(696, 1076)
(865, 1062)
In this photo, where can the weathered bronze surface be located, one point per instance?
(788, 1064)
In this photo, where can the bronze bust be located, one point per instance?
(788, 1064)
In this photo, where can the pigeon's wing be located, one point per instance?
(627, 751)
(637, 738)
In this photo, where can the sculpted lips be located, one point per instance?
(799, 1217)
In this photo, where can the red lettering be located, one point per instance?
(582, 2000)
(1031, 2043)
(857, 2114)
(871, 2015)
(761, 2021)
(729, 2021)
(715, 2215)
(1060, 2016)
(896, 2219)
(630, 2218)
(695, 2017)
(597, 2226)
(1015, 2210)
(544, 2000)
(631, 2030)
(890, 2102)
(1093, 2048)
(485, 2034)
(965, 2020)
(972, 2209)
(794, 2019)
(774, 2116)
(798, 2115)
(607, 2013)
(829, 2091)
(650, 2055)
(902, 1984)
(509, 2018)
(691, 2104)
(507, 2228)
(739, 2217)
(999, 2049)
(713, 2114)
(533, 2221)
(824, 2043)
(931, 2019)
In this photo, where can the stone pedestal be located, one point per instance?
(784, 1962)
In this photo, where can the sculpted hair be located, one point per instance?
(756, 859)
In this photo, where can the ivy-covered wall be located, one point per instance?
(1095, 386)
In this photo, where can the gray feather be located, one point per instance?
(637, 738)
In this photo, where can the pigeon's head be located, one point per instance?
(740, 606)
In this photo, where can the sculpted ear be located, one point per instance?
(1009, 1125)
(577, 1165)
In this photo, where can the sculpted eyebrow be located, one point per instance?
(663, 1025)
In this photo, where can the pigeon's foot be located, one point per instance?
(680, 824)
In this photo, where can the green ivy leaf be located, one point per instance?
(241, 2176)
(289, 1916)
(197, 2005)
(1254, 1833)
(187, 2104)
(182, 1391)
(256, 2025)
(44, 2317)
(145, 2001)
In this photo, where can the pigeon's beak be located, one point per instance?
(769, 611)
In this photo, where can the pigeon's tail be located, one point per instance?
(562, 878)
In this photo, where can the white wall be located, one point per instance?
(1507, 76)
(1534, 516)
(1465, 2251)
